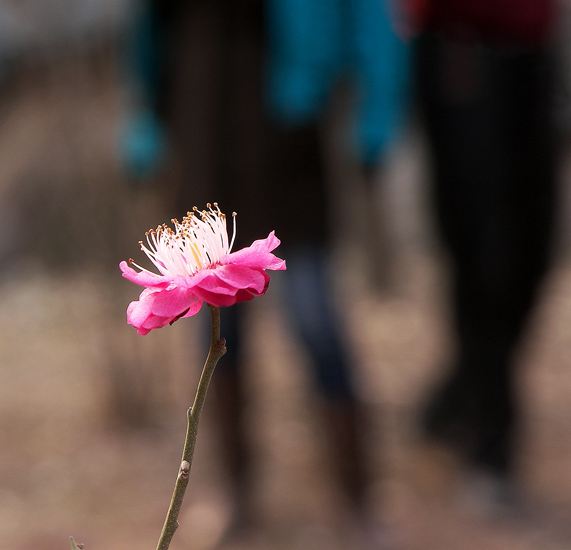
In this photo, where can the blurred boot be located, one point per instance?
(347, 424)
(234, 446)
(344, 421)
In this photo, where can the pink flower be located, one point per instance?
(196, 266)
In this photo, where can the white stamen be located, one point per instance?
(199, 241)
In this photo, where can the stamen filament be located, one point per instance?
(198, 242)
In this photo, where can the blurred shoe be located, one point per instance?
(491, 495)
(364, 533)
(444, 420)
(346, 424)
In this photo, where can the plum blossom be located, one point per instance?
(196, 265)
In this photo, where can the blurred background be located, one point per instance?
(92, 416)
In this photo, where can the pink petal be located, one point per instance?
(154, 308)
(221, 300)
(257, 255)
(154, 321)
(239, 276)
(138, 312)
(193, 309)
(241, 295)
(244, 296)
(271, 241)
(172, 302)
(212, 283)
(139, 316)
(143, 278)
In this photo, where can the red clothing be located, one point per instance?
(518, 21)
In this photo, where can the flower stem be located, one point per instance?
(217, 350)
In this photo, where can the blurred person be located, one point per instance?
(484, 80)
(243, 88)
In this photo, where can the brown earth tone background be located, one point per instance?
(92, 416)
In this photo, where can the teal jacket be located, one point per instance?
(311, 45)
(314, 43)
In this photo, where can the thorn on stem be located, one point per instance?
(184, 469)
(221, 346)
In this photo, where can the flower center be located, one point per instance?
(196, 243)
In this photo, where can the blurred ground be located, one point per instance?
(92, 416)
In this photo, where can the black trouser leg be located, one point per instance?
(488, 122)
